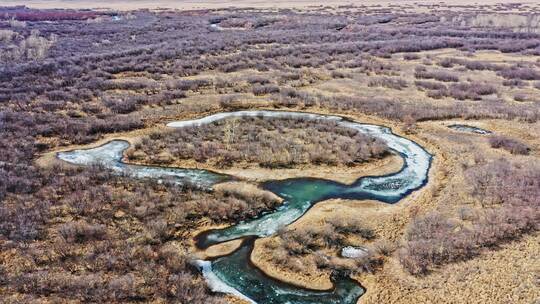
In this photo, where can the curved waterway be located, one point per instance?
(234, 273)
(470, 129)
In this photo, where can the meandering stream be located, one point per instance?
(234, 273)
(470, 129)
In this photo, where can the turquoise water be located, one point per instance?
(298, 194)
(234, 273)
(109, 156)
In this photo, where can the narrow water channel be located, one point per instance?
(469, 129)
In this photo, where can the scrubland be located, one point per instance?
(70, 78)
(269, 142)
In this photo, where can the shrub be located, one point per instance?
(411, 57)
(258, 79)
(121, 106)
(520, 73)
(472, 91)
(81, 232)
(262, 141)
(514, 210)
(430, 85)
(520, 97)
(392, 83)
(33, 47)
(460, 91)
(16, 23)
(7, 36)
(511, 145)
(440, 75)
(259, 90)
(340, 75)
(514, 83)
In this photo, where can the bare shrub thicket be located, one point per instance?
(270, 142)
(7, 36)
(430, 85)
(81, 231)
(411, 57)
(259, 90)
(510, 199)
(387, 82)
(418, 110)
(17, 23)
(473, 65)
(440, 75)
(33, 47)
(461, 91)
(524, 73)
(114, 263)
(294, 247)
(62, 92)
(511, 145)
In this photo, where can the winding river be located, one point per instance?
(234, 273)
(470, 129)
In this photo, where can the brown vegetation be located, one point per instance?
(293, 249)
(510, 196)
(96, 236)
(270, 142)
(511, 145)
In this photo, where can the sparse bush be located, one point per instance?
(512, 192)
(514, 83)
(411, 57)
(440, 75)
(520, 73)
(340, 75)
(258, 79)
(7, 36)
(511, 145)
(430, 85)
(387, 82)
(16, 23)
(81, 232)
(262, 141)
(259, 90)
(291, 245)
